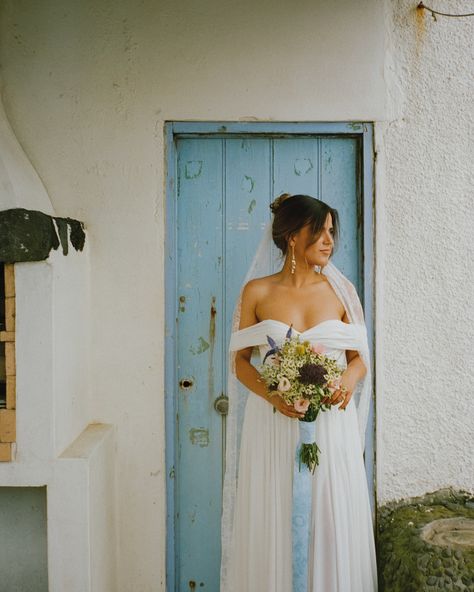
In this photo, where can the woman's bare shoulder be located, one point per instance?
(258, 286)
(252, 293)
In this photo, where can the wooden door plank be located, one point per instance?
(200, 363)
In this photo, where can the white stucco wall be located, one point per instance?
(425, 256)
(56, 443)
(52, 333)
(81, 509)
(87, 88)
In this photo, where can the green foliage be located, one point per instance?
(408, 563)
(309, 455)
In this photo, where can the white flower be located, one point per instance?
(284, 384)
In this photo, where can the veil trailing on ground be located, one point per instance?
(265, 262)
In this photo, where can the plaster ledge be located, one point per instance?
(88, 441)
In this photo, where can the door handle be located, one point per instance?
(221, 404)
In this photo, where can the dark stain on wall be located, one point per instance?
(29, 235)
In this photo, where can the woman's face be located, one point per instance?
(315, 249)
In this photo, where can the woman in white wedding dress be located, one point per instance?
(288, 531)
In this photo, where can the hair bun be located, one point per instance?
(276, 203)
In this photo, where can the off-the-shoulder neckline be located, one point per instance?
(293, 329)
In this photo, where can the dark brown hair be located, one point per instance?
(292, 212)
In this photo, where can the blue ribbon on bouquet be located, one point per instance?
(301, 511)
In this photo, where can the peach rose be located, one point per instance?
(318, 348)
(301, 405)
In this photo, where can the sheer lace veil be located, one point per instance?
(266, 261)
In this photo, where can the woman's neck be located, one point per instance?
(304, 275)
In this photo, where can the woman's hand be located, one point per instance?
(348, 380)
(279, 403)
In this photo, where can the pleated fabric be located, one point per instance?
(341, 544)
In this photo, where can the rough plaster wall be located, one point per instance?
(71, 351)
(425, 255)
(88, 86)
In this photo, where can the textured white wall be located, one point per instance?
(55, 445)
(425, 255)
(51, 356)
(81, 514)
(87, 88)
(71, 342)
(20, 185)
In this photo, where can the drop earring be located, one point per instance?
(293, 260)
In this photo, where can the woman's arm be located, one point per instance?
(249, 375)
(244, 369)
(354, 372)
(355, 366)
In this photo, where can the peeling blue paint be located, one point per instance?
(203, 345)
(199, 436)
(193, 169)
(302, 166)
(247, 184)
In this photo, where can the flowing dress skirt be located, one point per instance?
(341, 542)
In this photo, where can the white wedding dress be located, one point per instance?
(340, 548)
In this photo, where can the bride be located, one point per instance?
(286, 530)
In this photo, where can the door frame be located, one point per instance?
(362, 130)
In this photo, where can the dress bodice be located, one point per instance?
(335, 335)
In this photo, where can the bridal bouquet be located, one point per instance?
(304, 376)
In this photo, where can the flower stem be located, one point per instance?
(309, 455)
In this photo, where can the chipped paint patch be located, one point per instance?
(199, 436)
(252, 204)
(193, 169)
(327, 163)
(247, 184)
(202, 347)
(212, 340)
(302, 166)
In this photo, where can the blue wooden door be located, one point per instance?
(222, 188)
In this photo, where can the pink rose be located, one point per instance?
(301, 405)
(318, 348)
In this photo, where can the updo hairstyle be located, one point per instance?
(292, 212)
